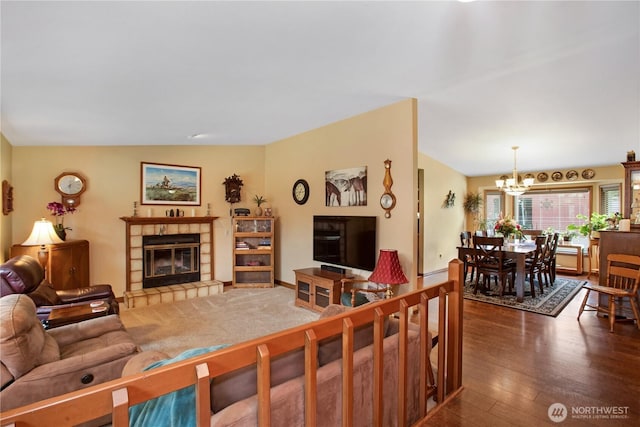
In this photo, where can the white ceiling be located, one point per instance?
(559, 79)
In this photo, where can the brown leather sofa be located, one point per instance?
(24, 275)
(38, 364)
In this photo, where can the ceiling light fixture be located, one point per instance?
(512, 185)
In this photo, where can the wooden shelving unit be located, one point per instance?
(253, 247)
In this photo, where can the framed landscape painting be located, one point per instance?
(162, 184)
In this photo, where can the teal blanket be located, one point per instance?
(176, 409)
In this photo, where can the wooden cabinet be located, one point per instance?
(632, 193)
(253, 247)
(317, 288)
(68, 262)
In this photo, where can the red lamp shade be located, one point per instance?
(388, 270)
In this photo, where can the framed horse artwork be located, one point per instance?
(346, 187)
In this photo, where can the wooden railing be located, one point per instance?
(115, 397)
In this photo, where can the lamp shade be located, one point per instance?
(42, 234)
(388, 270)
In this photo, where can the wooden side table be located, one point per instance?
(76, 313)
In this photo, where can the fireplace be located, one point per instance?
(170, 259)
(138, 228)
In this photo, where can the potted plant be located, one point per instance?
(569, 235)
(472, 203)
(259, 200)
(591, 226)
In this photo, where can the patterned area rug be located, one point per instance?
(551, 303)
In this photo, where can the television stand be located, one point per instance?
(316, 288)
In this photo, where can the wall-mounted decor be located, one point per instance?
(7, 197)
(556, 176)
(346, 187)
(449, 200)
(162, 184)
(388, 199)
(232, 186)
(70, 185)
(588, 173)
(571, 175)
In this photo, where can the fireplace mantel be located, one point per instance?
(141, 220)
(138, 226)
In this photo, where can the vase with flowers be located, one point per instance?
(508, 227)
(58, 210)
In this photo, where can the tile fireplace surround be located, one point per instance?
(146, 226)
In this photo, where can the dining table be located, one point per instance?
(518, 251)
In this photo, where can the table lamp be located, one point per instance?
(388, 270)
(42, 234)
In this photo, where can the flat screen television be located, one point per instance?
(348, 241)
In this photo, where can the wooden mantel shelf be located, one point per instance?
(168, 219)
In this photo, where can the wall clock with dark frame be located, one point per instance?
(300, 191)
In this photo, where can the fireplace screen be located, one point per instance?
(171, 259)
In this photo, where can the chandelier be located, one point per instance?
(512, 186)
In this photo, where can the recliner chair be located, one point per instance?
(38, 364)
(23, 274)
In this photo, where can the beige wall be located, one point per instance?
(113, 184)
(364, 140)
(6, 220)
(603, 175)
(442, 226)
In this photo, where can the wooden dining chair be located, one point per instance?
(491, 262)
(623, 281)
(535, 266)
(550, 259)
(466, 240)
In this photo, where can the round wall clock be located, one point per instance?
(300, 191)
(70, 185)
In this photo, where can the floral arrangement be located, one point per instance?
(508, 226)
(59, 211)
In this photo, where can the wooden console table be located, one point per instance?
(317, 288)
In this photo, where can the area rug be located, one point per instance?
(551, 303)
(234, 316)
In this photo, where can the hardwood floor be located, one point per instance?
(516, 364)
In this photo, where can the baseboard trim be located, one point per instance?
(285, 284)
(431, 273)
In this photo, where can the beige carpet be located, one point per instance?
(234, 316)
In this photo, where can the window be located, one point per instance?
(610, 199)
(542, 209)
(494, 204)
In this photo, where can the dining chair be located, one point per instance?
(550, 259)
(466, 240)
(491, 262)
(623, 281)
(535, 266)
